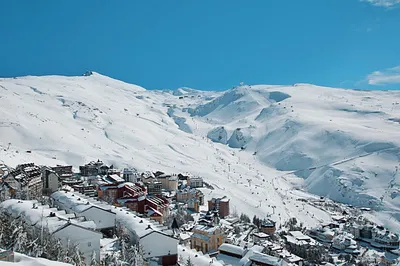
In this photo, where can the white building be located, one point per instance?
(195, 182)
(131, 175)
(59, 224)
(82, 205)
(168, 182)
(346, 243)
(150, 235)
(297, 238)
(321, 234)
(264, 259)
(384, 239)
(260, 237)
(376, 235)
(197, 258)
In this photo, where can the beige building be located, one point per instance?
(186, 194)
(168, 182)
(206, 238)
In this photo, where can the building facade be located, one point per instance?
(156, 244)
(50, 180)
(206, 238)
(154, 187)
(70, 230)
(195, 182)
(25, 181)
(186, 194)
(63, 171)
(221, 204)
(268, 227)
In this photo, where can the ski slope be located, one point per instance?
(254, 144)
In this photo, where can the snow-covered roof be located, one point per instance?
(129, 184)
(195, 178)
(232, 249)
(135, 224)
(152, 211)
(229, 260)
(117, 178)
(254, 249)
(289, 257)
(266, 259)
(268, 223)
(128, 171)
(38, 215)
(295, 241)
(187, 190)
(206, 228)
(24, 260)
(185, 236)
(345, 240)
(385, 235)
(77, 202)
(299, 235)
(261, 235)
(197, 258)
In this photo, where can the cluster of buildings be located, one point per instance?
(69, 228)
(147, 193)
(82, 220)
(377, 236)
(100, 201)
(344, 236)
(213, 245)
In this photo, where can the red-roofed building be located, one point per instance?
(135, 197)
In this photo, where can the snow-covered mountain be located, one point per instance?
(254, 144)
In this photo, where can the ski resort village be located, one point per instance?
(96, 171)
(105, 216)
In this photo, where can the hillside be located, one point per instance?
(254, 144)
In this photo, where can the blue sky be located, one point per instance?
(208, 44)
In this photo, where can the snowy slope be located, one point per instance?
(270, 136)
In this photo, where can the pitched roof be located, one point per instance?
(77, 202)
(266, 259)
(42, 215)
(135, 224)
(232, 249)
(197, 258)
